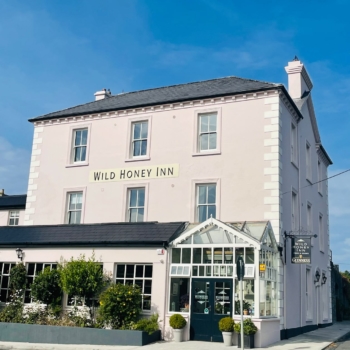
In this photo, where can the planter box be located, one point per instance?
(248, 341)
(32, 333)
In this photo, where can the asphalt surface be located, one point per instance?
(341, 344)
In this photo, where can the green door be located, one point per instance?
(211, 301)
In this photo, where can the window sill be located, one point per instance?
(211, 153)
(137, 159)
(74, 165)
(321, 251)
(320, 193)
(309, 320)
(309, 181)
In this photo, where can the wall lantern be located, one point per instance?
(19, 252)
(317, 277)
(324, 278)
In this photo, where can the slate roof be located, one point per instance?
(110, 234)
(13, 202)
(168, 94)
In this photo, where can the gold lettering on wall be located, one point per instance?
(136, 173)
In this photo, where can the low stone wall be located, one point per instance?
(17, 332)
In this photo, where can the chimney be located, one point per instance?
(104, 93)
(299, 81)
(2, 193)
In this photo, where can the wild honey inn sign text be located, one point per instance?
(135, 173)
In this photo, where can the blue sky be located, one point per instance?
(56, 54)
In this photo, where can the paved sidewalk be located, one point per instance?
(315, 340)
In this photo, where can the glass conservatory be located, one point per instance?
(203, 281)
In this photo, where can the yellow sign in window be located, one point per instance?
(262, 267)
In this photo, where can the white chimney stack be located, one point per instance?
(104, 93)
(2, 193)
(298, 78)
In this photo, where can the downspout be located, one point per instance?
(166, 286)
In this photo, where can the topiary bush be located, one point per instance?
(18, 278)
(177, 321)
(46, 287)
(249, 327)
(226, 324)
(120, 306)
(149, 325)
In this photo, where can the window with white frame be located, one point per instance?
(79, 150)
(308, 298)
(74, 207)
(139, 138)
(5, 290)
(294, 144)
(13, 218)
(136, 204)
(294, 211)
(140, 275)
(207, 132)
(309, 218)
(308, 162)
(321, 233)
(319, 177)
(33, 270)
(206, 201)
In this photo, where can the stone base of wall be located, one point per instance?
(16, 332)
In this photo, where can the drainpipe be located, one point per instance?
(166, 286)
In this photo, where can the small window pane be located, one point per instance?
(139, 271)
(211, 194)
(148, 271)
(212, 141)
(31, 269)
(144, 132)
(186, 255)
(129, 271)
(175, 255)
(137, 130)
(212, 123)
(204, 123)
(204, 141)
(197, 255)
(202, 194)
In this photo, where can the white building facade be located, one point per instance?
(238, 163)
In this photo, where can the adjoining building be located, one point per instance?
(12, 209)
(234, 167)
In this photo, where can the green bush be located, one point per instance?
(18, 278)
(13, 311)
(46, 287)
(249, 327)
(81, 277)
(226, 324)
(149, 325)
(119, 306)
(177, 321)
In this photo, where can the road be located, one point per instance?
(344, 344)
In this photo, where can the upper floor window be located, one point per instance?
(321, 232)
(139, 138)
(13, 218)
(309, 218)
(294, 145)
(308, 162)
(206, 201)
(207, 132)
(80, 145)
(294, 211)
(74, 207)
(136, 204)
(319, 177)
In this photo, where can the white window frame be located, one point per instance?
(125, 203)
(308, 293)
(65, 203)
(7, 287)
(294, 144)
(71, 143)
(129, 157)
(294, 211)
(198, 205)
(118, 279)
(136, 207)
(196, 135)
(319, 177)
(321, 231)
(308, 162)
(13, 215)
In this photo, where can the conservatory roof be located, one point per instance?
(258, 234)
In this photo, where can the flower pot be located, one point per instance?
(248, 341)
(227, 338)
(177, 335)
(245, 312)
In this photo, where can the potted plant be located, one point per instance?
(177, 323)
(226, 327)
(249, 329)
(246, 307)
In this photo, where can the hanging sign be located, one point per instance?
(301, 250)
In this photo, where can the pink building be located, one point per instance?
(225, 166)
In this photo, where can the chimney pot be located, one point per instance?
(102, 94)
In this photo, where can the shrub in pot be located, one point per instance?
(226, 325)
(177, 323)
(249, 329)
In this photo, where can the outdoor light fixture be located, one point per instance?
(19, 252)
(324, 278)
(317, 276)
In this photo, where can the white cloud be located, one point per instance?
(14, 168)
